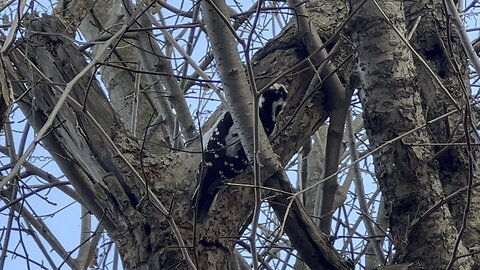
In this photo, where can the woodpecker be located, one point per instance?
(224, 157)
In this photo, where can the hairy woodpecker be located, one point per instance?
(224, 157)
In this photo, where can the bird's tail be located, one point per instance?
(202, 201)
(204, 207)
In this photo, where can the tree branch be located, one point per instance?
(338, 103)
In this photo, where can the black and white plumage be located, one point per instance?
(224, 157)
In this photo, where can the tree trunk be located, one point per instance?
(444, 54)
(394, 119)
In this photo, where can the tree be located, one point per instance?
(122, 114)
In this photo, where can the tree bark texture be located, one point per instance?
(406, 168)
(444, 54)
(100, 22)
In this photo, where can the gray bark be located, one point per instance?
(99, 23)
(445, 56)
(407, 174)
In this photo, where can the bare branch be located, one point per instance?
(339, 100)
